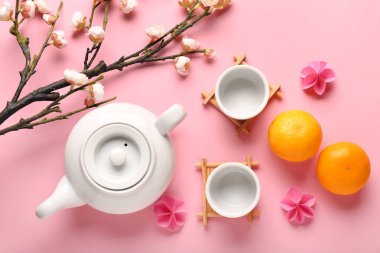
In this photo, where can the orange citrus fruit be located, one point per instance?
(343, 168)
(295, 136)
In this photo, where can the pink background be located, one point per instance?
(279, 37)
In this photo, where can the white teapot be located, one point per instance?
(119, 159)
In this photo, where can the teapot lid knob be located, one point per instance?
(117, 156)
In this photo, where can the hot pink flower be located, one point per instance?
(298, 205)
(170, 213)
(317, 74)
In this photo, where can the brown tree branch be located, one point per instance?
(144, 55)
(30, 64)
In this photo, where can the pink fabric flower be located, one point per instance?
(298, 205)
(317, 74)
(170, 213)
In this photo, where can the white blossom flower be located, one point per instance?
(154, 31)
(49, 18)
(209, 53)
(28, 9)
(74, 77)
(222, 4)
(78, 21)
(57, 39)
(96, 34)
(189, 44)
(186, 3)
(5, 11)
(209, 3)
(128, 6)
(182, 65)
(42, 6)
(98, 92)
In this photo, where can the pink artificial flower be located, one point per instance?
(155, 31)
(5, 11)
(298, 206)
(317, 74)
(78, 21)
(189, 44)
(57, 39)
(182, 65)
(49, 18)
(170, 213)
(96, 34)
(28, 9)
(74, 77)
(42, 6)
(128, 6)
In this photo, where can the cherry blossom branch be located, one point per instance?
(30, 64)
(53, 107)
(96, 46)
(49, 92)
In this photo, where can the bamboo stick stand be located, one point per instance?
(207, 168)
(242, 125)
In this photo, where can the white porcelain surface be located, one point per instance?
(117, 160)
(242, 92)
(233, 190)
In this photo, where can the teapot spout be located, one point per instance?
(170, 119)
(63, 196)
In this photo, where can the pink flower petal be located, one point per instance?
(307, 211)
(322, 65)
(309, 81)
(292, 214)
(320, 86)
(164, 220)
(300, 217)
(180, 218)
(161, 207)
(287, 204)
(328, 75)
(307, 71)
(173, 226)
(295, 195)
(308, 199)
(315, 65)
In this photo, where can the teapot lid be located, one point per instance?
(116, 156)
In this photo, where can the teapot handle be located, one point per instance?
(170, 119)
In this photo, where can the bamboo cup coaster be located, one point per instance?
(242, 125)
(206, 168)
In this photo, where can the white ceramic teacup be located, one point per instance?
(233, 190)
(242, 92)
